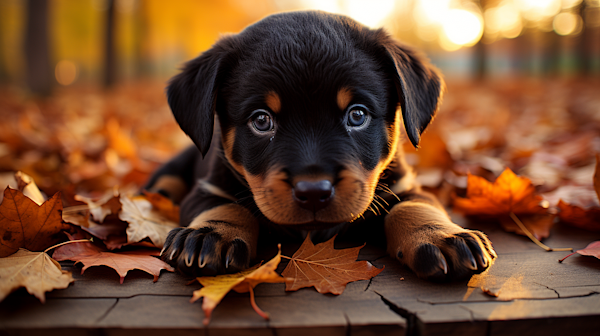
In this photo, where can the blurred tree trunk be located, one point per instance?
(37, 55)
(110, 55)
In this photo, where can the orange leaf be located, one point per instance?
(91, 255)
(215, 288)
(583, 218)
(509, 193)
(163, 205)
(538, 225)
(106, 205)
(24, 224)
(325, 268)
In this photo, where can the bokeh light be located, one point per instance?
(65, 72)
(567, 24)
(462, 27)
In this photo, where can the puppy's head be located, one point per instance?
(310, 106)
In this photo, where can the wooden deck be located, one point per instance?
(537, 296)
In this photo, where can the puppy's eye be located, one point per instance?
(357, 116)
(262, 121)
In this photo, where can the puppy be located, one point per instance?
(309, 109)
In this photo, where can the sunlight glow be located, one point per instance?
(462, 27)
(370, 13)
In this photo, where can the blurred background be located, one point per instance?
(46, 43)
(82, 104)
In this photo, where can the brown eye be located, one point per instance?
(357, 116)
(262, 121)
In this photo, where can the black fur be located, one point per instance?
(305, 59)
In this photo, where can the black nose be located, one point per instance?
(313, 196)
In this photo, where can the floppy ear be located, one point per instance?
(192, 94)
(420, 87)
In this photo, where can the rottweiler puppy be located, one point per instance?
(309, 108)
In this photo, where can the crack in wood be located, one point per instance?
(98, 320)
(552, 289)
(414, 325)
(507, 300)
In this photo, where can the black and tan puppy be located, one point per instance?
(309, 109)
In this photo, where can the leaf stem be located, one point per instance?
(563, 259)
(255, 306)
(68, 242)
(535, 240)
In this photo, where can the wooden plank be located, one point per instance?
(103, 282)
(22, 311)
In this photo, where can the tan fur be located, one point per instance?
(213, 189)
(273, 101)
(174, 185)
(344, 97)
(242, 226)
(228, 141)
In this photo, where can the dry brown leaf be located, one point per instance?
(101, 207)
(28, 187)
(35, 271)
(24, 224)
(91, 255)
(215, 288)
(144, 222)
(325, 268)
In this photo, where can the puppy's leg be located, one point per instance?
(221, 236)
(421, 235)
(175, 178)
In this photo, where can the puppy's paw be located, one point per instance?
(455, 256)
(206, 251)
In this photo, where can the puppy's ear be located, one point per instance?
(420, 87)
(192, 94)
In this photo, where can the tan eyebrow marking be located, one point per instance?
(273, 101)
(344, 97)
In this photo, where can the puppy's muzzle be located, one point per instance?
(313, 195)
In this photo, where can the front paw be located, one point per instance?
(205, 251)
(454, 257)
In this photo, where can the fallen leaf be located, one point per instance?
(325, 268)
(163, 205)
(538, 225)
(35, 271)
(28, 187)
(509, 193)
(24, 224)
(144, 222)
(91, 255)
(111, 227)
(592, 250)
(215, 288)
(583, 218)
(101, 207)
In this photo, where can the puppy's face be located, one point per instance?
(309, 110)
(310, 143)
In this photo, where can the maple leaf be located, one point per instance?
(215, 288)
(24, 224)
(509, 193)
(91, 255)
(325, 268)
(144, 222)
(593, 250)
(163, 205)
(35, 271)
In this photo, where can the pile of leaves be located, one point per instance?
(92, 151)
